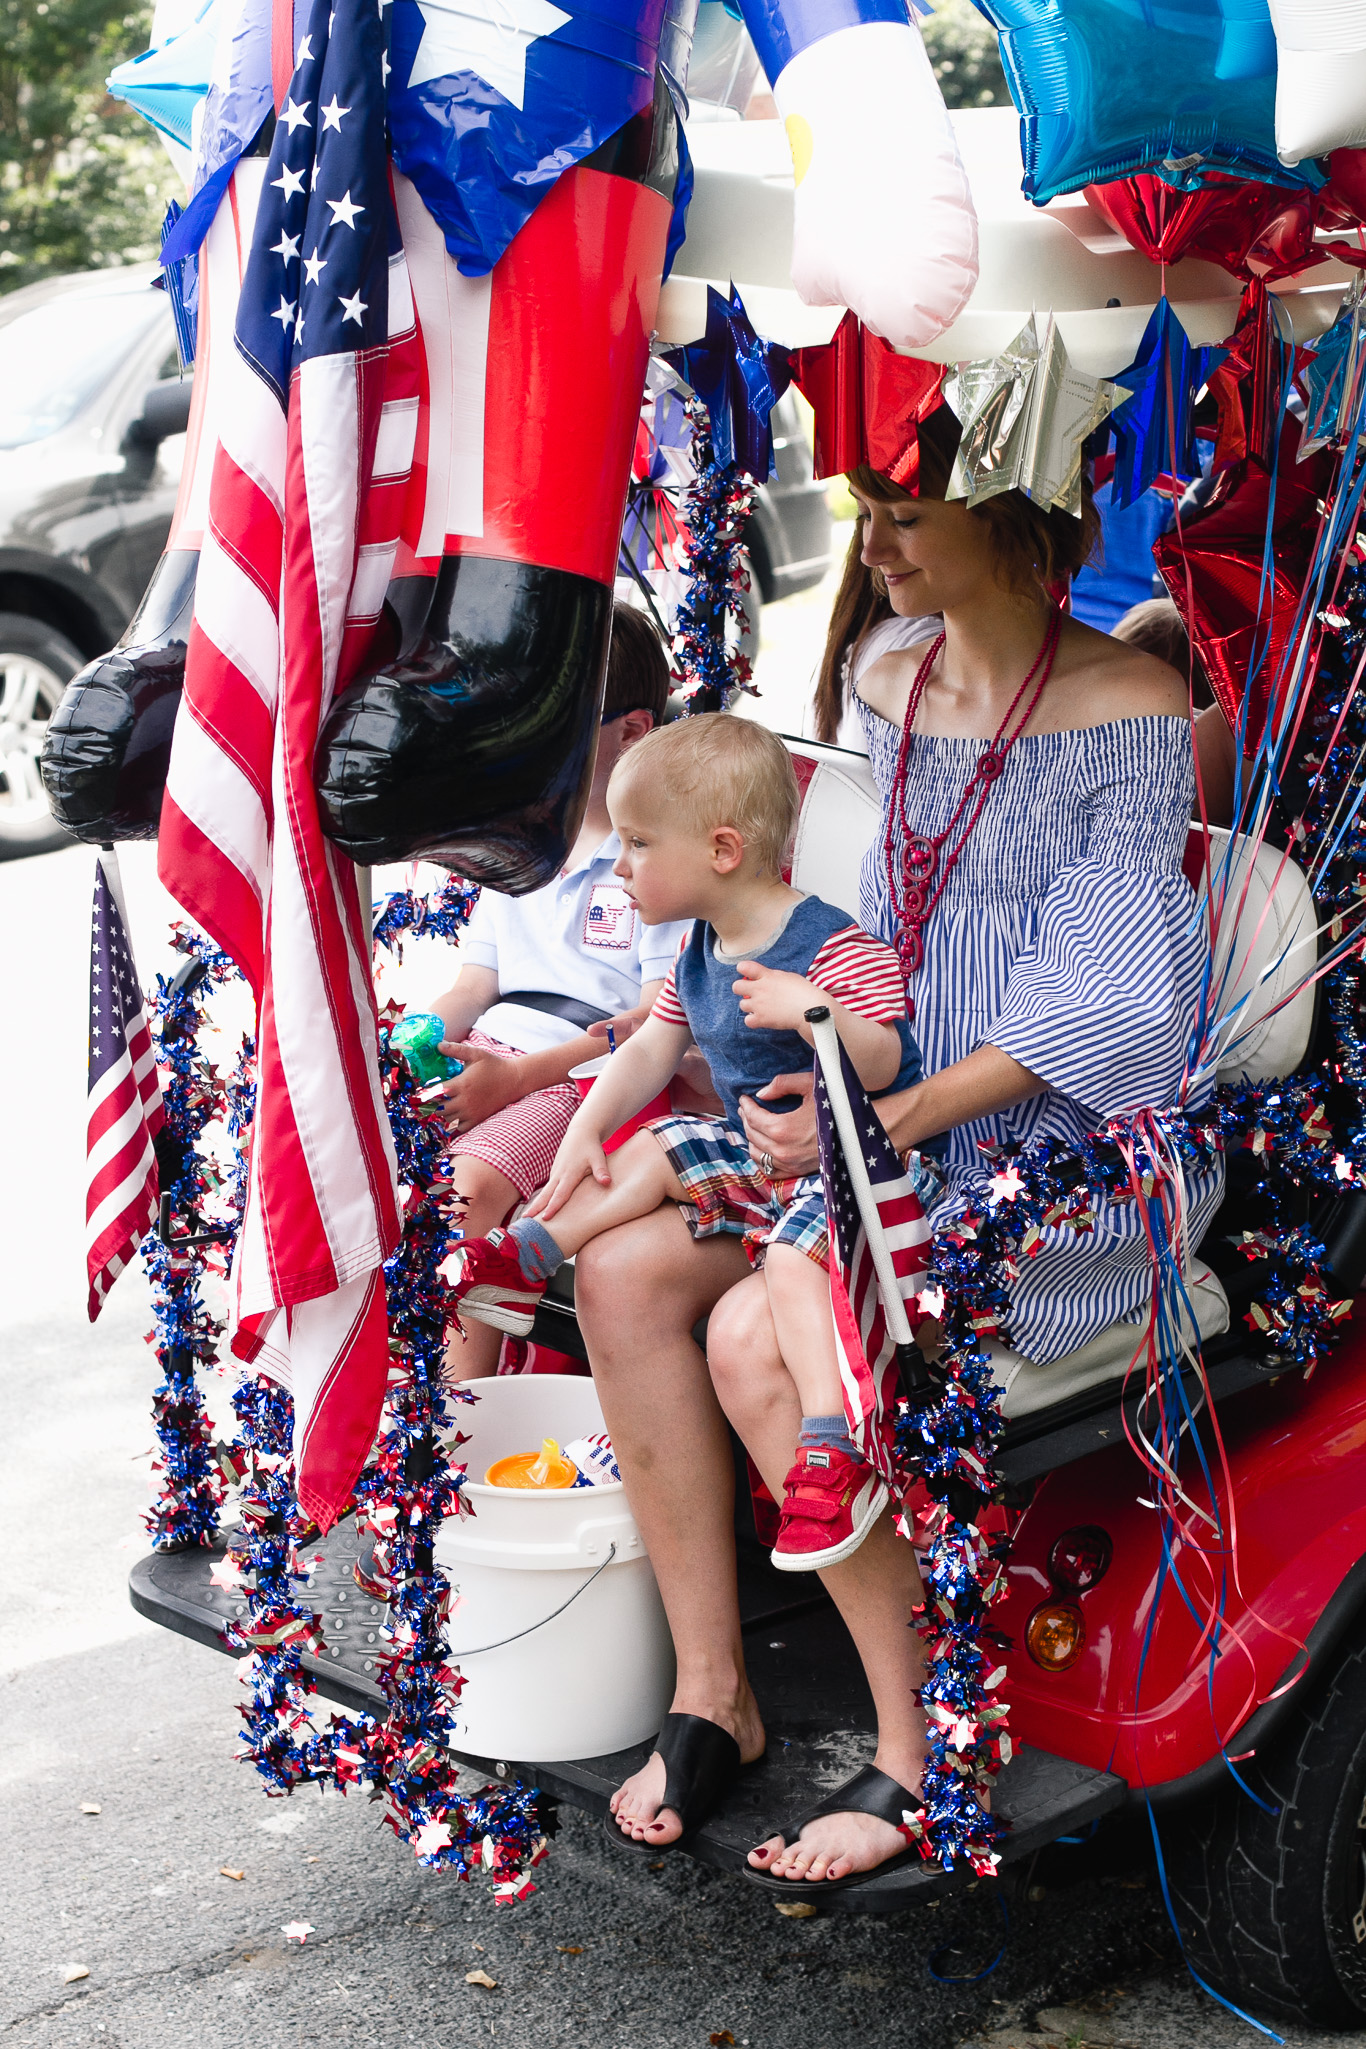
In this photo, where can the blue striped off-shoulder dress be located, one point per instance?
(1066, 936)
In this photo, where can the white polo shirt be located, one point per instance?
(578, 936)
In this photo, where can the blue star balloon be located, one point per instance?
(1109, 87)
(739, 379)
(1332, 376)
(1154, 428)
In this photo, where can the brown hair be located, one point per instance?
(1034, 548)
(1155, 626)
(637, 667)
(715, 769)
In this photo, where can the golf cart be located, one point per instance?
(1115, 1697)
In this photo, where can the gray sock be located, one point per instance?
(829, 1430)
(537, 1253)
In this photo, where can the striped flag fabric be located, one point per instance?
(124, 1103)
(316, 404)
(867, 1354)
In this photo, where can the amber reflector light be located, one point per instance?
(1055, 1634)
(1080, 1558)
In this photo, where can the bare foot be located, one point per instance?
(636, 1803)
(831, 1847)
(834, 1845)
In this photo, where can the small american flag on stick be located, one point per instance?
(124, 1104)
(879, 1246)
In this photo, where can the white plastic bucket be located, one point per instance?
(597, 1676)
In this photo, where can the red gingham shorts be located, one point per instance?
(522, 1139)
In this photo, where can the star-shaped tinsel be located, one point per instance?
(869, 402)
(1332, 375)
(1154, 427)
(1025, 415)
(739, 379)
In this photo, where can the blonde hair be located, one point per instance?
(714, 769)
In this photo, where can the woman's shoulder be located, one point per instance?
(1099, 681)
(884, 692)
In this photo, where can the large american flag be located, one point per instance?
(316, 400)
(124, 1105)
(867, 1355)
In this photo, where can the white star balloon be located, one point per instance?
(488, 37)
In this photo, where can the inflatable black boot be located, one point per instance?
(108, 744)
(475, 747)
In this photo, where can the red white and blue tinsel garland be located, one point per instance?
(193, 1233)
(403, 1496)
(718, 507)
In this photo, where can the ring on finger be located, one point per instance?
(766, 1164)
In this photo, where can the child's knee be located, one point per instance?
(481, 1190)
(787, 1267)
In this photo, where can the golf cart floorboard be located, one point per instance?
(804, 1669)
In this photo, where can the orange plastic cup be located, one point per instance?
(545, 1468)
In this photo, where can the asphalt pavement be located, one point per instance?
(147, 1881)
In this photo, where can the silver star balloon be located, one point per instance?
(1025, 415)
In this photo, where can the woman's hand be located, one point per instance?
(787, 1137)
(773, 1000)
(580, 1158)
(490, 1082)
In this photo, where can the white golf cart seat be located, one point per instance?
(1262, 955)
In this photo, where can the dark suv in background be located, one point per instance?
(92, 436)
(88, 479)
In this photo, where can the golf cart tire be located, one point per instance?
(55, 661)
(1270, 1905)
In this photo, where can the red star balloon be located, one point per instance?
(1251, 229)
(868, 401)
(1213, 568)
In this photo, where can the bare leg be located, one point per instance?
(638, 1292)
(641, 1180)
(875, 1590)
(488, 1198)
(799, 1303)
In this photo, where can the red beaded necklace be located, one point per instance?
(923, 873)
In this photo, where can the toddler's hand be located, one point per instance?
(579, 1158)
(488, 1084)
(772, 1000)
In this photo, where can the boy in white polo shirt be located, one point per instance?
(536, 972)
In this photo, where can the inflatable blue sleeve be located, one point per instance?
(782, 28)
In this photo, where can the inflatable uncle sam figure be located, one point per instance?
(423, 248)
(540, 182)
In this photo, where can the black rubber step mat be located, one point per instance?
(804, 1669)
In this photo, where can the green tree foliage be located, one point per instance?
(965, 55)
(83, 180)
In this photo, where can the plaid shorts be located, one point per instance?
(727, 1192)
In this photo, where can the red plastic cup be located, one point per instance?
(584, 1076)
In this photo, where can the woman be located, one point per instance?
(1037, 780)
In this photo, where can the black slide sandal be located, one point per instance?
(868, 1792)
(701, 1764)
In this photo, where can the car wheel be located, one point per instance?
(36, 664)
(1272, 1905)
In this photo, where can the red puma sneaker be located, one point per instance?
(486, 1278)
(830, 1502)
